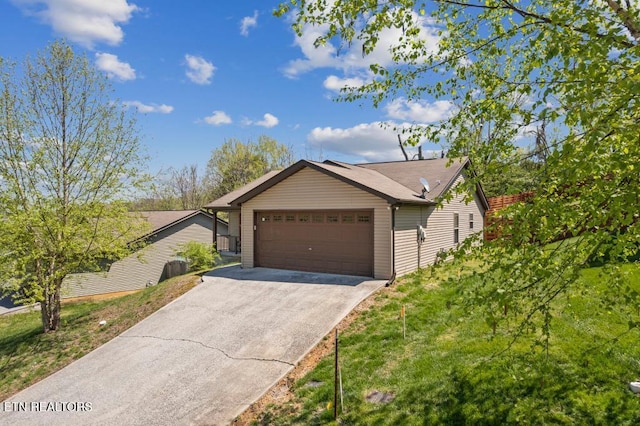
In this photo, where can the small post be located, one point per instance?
(335, 380)
(341, 392)
(404, 322)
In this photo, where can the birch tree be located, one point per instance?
(576, 65)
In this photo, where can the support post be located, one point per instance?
(215, 228)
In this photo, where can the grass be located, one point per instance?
(27, 355)
(447, 370)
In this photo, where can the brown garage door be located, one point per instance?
(338, 242)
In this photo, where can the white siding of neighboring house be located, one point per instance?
(309, 189)
(439, 229)
(137, 270)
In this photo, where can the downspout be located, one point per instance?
(393, 246)
(239, 240)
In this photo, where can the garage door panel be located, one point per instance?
(330, 241)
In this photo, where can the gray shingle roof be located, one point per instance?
(437, 172)
(224, 202)
(162, 219)
(396, 182)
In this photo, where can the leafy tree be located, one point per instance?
(516, 177)
(199, 255)
(575, 65)
(69, 155)
(236, 163)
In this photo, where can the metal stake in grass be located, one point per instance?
(335, 381)
(341, 392)
(404, 322)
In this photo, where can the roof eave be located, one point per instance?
(466, 164)
(479, 190)
(220, 208)
(417, 201)
(169, 225)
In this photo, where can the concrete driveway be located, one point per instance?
(202, 359)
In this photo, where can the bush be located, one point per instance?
(198, 255)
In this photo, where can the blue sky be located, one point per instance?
(199, 72)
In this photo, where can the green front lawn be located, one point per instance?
(450, 369)
(27, 355)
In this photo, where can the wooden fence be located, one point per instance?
(492, 219)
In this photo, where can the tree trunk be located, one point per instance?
(50, 310)
(406, 157)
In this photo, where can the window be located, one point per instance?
(303, 217)
(456, 228)
(470, 220)
(347, 218)
(290, 218)
(277, 218)
(363, 218)
(332, 218)
(265, 218)
(317, 218)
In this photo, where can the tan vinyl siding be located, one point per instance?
(312, 190)
(439, 229)
(142, 267)
(406, 237)
(234, 223)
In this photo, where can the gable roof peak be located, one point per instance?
(394, 181)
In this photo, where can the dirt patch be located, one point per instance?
(124, 316)
(281, 393)
(378, 397)
(431, 285)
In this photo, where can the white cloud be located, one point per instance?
(199, 69)
(218, 118)
(83, 21)
(526, 132)
(314, 57)
(351, 60)
(111, 65)
(375, 141)
(268, 120)
(148, 108)
(335, 83)
(419, 111)
(248, 22)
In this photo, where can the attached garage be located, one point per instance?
(376, 219)
(333, 241)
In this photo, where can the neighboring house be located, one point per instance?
(363, 219)
(146, 267)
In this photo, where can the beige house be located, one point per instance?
(378, 219)
(148, 266)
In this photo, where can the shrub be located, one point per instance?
(198, 255)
